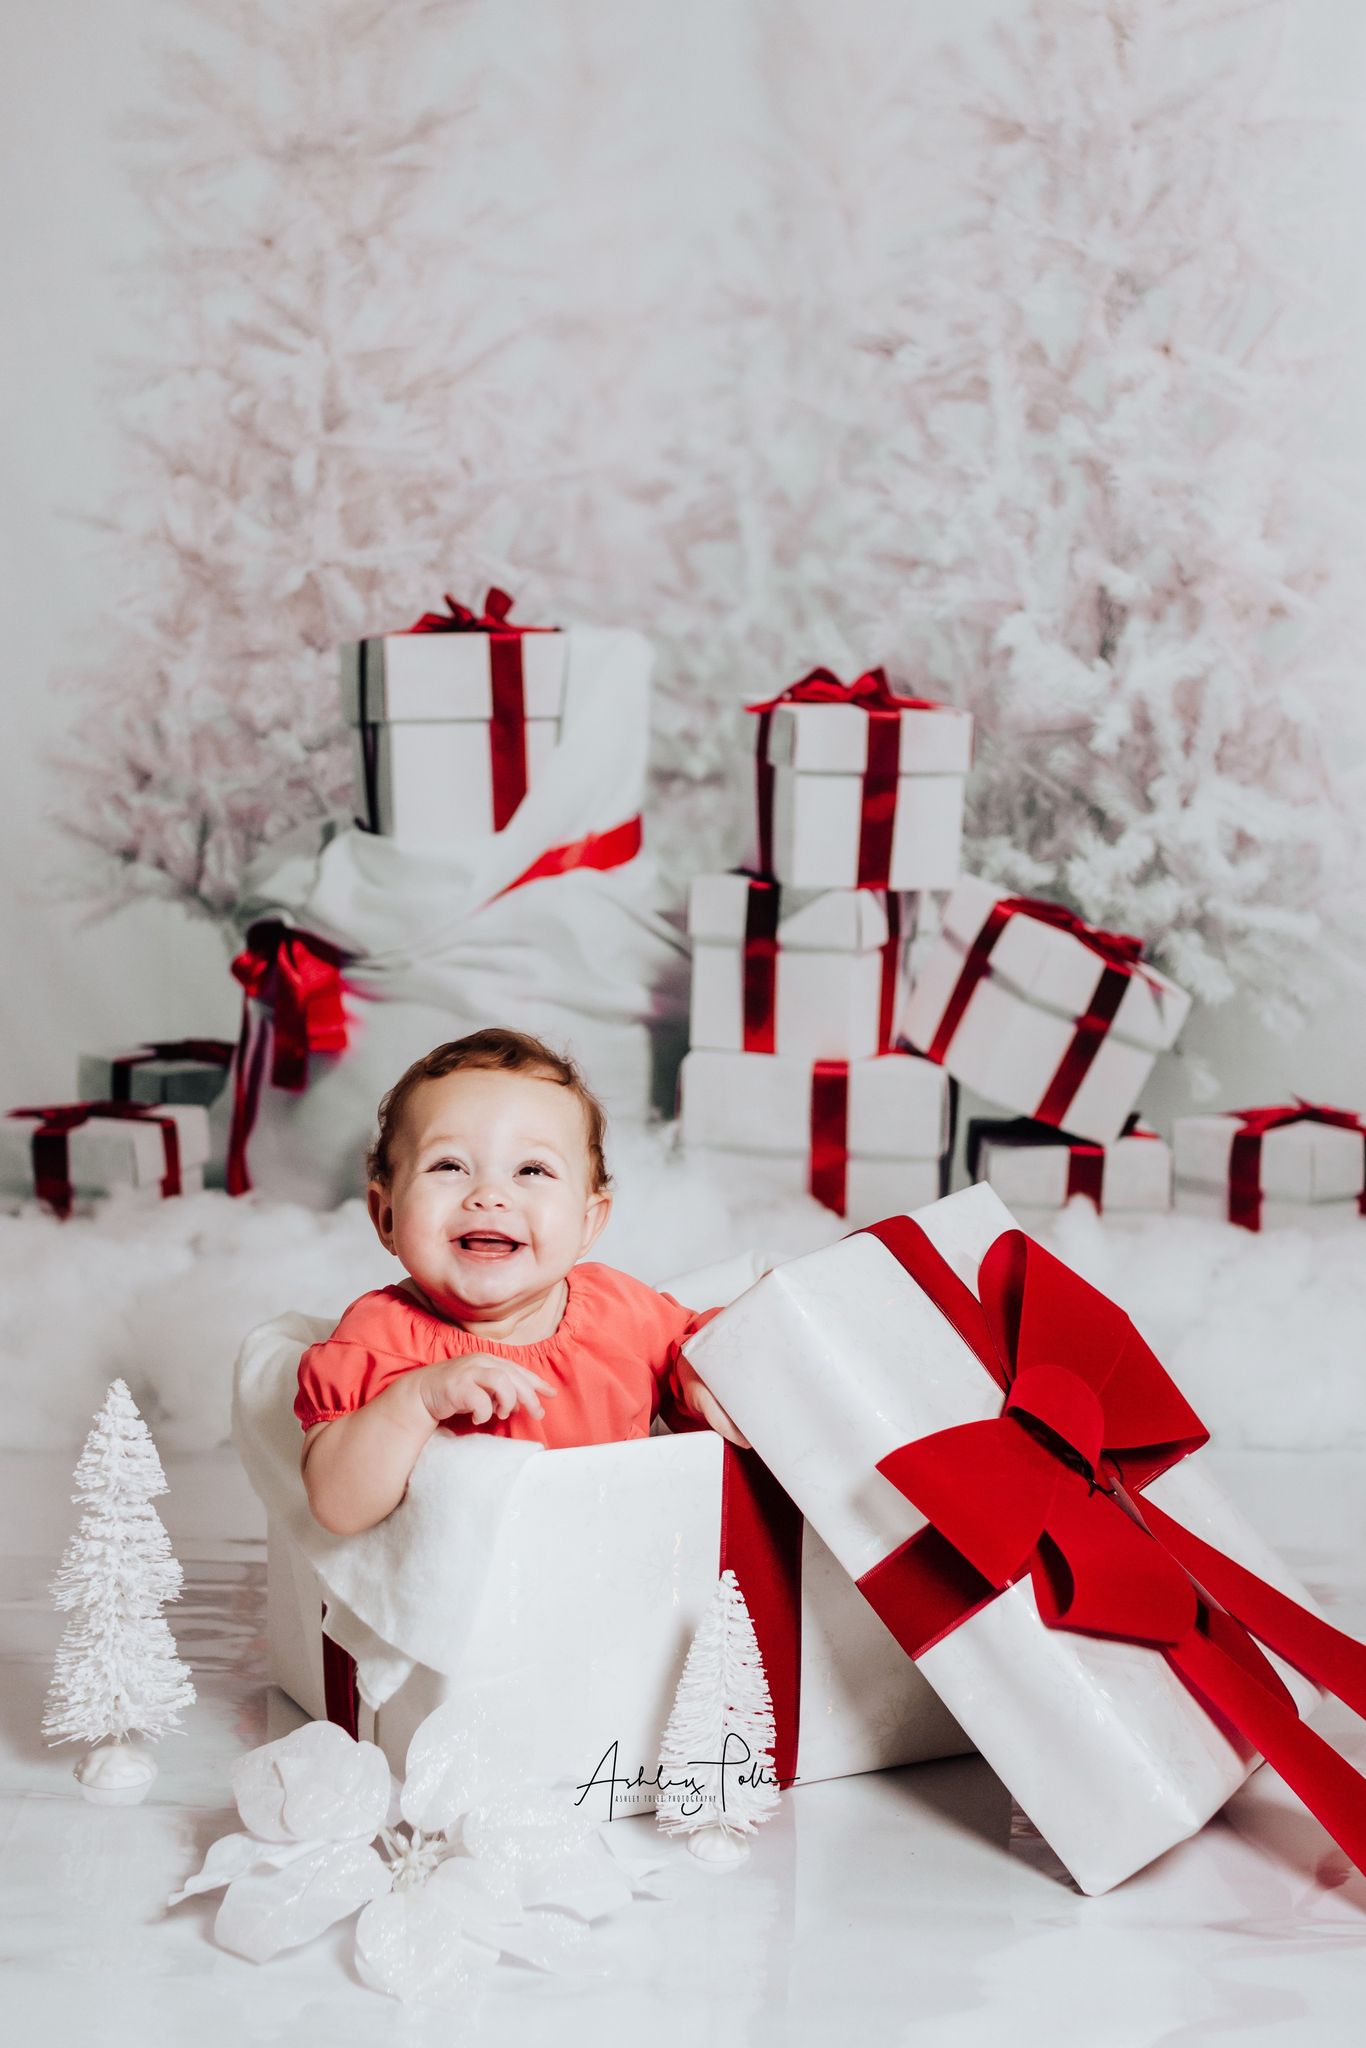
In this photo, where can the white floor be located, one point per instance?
(912, 1906)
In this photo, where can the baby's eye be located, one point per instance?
(535, 1166)
(445, 1165)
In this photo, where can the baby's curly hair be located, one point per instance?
(510, 1052)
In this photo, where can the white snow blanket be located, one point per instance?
(407, 1591)
(586, 959)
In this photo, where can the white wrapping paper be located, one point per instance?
(429, 696)
(1021, 1018)
(109, 1152)
(755, 1109)
(833, 1361)
(829, 968)
(1030, 1175)
(818, 753)
(1311, 1174)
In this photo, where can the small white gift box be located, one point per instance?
(69, 1153)
(811, 975)
(175, 1070)
(451, 728)
(1297, 1166)
(1037, 1170)
(841, 1367)
(857, 793)
(574, 1582)
(866, 1137)
(1041, 1012)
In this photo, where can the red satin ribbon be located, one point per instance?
(1245, 1155)
(871, 693)
(1052, 1489)
(759, 968)
(761, 1542)
(299, 977)
(1121, 954)
(210, 1052)
(600, 850)
(828, 1171)
(51, 1151)
(507, 688)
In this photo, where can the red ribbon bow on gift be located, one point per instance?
(1122, 955)
(458, 618)
(1245, 1154)
(1044, 1489)
(57, 1120)
(871, 692)
(299, 976)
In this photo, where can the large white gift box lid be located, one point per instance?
(835, 1360)
(553, 1596)
(1022, 1014)
(829, 968)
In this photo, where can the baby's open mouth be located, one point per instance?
(489, 1244)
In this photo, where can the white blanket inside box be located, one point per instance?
(554, 1595)
(1041, 1012)
(866, 1137)
(996, 1458)
(807, 974)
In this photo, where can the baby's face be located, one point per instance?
(490, 1203)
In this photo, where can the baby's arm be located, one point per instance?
(356, 1467)
(698, 1397)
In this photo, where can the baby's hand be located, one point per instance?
(481, 1386)
(698, 1396)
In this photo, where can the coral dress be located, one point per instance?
(613, 1359)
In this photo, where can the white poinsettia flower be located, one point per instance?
(447, 1872)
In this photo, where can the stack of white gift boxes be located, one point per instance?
(800, 961)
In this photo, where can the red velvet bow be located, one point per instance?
(1045, 1488)
(1088, 1410)
(301, 977)
(458, 618)
(870, 692)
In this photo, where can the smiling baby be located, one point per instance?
(488, 1184)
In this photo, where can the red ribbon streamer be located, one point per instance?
(599, 850)
(871, 693)
(828, 1173)
(1052, 1488)
(1245, 1155)
(211, 1052)
(1121, 954)
(761, 1542)
(51, 1150)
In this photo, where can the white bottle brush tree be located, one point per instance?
(117, 1672)
(716, 1773)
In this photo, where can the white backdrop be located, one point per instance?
(69, 227)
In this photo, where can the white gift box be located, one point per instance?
(816, 772)
(105, 1152)
(1310, 1175)
(1036, 1170)
(1024, 1023)
(422, 707)
(830, 985)
(763, 1111)
(835, 1360)
(592, 1574)
(168, 1072)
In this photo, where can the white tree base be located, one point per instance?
(721, 1848)
(115, 1774)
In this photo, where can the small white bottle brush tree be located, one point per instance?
(116, 1672)
(716, 1775)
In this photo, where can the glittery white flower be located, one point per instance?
(447, 1871)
